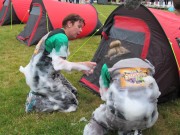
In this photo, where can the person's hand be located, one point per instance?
(91, 66)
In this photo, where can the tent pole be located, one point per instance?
(11, 13)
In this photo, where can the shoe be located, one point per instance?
(30, 102)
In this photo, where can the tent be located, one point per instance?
(44, 17)
(21, 8)
(14, 11)
(1, 4)
(147, 34)
(37, 25)
(7, 14)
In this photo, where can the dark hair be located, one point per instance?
(72, 18)
(176, 4)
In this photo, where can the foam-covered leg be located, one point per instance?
(67, 84)
(93, 128)
(50, 91)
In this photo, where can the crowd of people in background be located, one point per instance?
(171, 5)
(78, 1)
(151, 2)
(161, 2)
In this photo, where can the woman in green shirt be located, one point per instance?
(49, 90)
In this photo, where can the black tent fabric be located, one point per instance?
(141, 34)
(7, 14)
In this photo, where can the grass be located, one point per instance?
(14, 120)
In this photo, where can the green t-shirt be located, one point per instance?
(58, 42)
(105, 76)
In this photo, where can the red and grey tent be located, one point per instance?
(46, 15)
(7, 14)
(14, 11)
(147, 34)
(37, 25)
(22, 8)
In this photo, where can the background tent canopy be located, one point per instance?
(7, 14)
(58, 10)
(170, 23)
(14, 11)
(1, 4)
(21, 8)
(46, 15)
(37, 26)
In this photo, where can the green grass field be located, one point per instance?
(13, 91)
